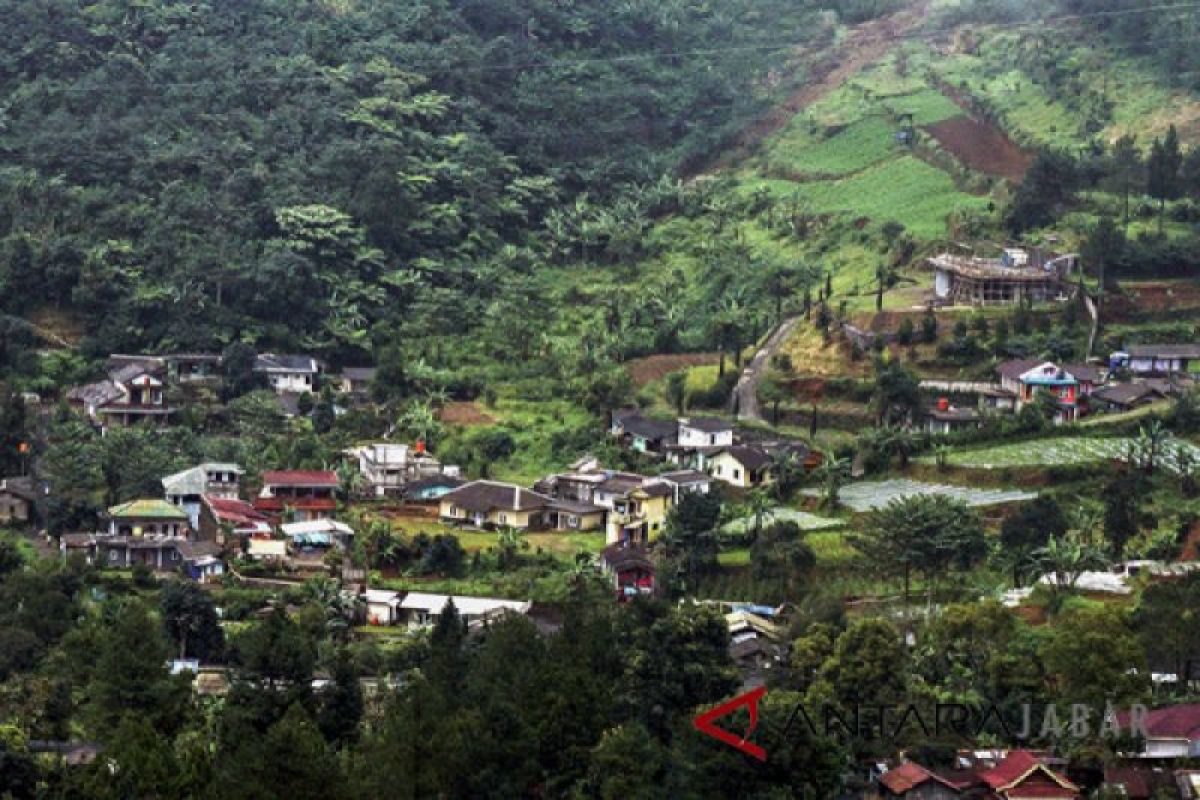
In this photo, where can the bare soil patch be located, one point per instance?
(982, 147)
(652, 368)
(465, 414)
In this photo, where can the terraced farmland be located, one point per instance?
(806, 521)
(1063, 452)
(872, 495)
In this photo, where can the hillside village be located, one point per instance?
(618, 408)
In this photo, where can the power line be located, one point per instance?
(564, 64)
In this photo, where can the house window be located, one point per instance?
(712, 438)
(174, 555)
(737, 474)
(112, 555)
(573, 521)
(454, 511)
(504, 519)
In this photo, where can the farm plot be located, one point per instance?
(872, 495)
(1066, 452)
(806, 521)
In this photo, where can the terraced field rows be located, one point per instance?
(872, 495)
(1064, 452)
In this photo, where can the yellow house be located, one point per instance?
(639, 516)
(741, 466)
(490, 504)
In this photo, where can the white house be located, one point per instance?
(1160, 359)
(383, 607)
(318, 533)
(421, 610)
(388, 467)
(185, 489)
(705, 432)
(288, 374)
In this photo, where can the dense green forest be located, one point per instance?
(334, 175)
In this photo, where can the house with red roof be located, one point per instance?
(1021, 775)
(911, 781)
(1170, 732)
(228, 518)
(297, 495)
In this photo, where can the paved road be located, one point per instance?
(745, 394)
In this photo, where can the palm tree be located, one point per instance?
(1150, 442)
(420, 421)
(831, 473)
(338, 606)
(789, 473)
(758, 503)
(1066, 559)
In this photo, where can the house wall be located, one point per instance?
(583, 522)
(288, 382)
(726, 468)
(148, 527)
(13, 508)
(690, 437)
(498, 517)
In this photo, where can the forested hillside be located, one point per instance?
(327, 174)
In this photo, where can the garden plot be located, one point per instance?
(806, 521)
(1064, 452)
(872, 495)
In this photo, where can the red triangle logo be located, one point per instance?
(704, 723)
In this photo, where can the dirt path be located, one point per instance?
(865, 44)
(745, 394)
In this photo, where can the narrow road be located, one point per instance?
(745, 394)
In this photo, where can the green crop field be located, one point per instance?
(906, 190)
(1067, 451)
(861, 144)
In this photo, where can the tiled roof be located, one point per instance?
(707, 424)
(271, 362)
(95, 394)
(1125, 393)
(649, 428)
(485, 496)
(195, 480)
(147, 509)
(1173, 722)
(1015, 767)
(1086, 373)
(906, 777)
(359, 373)
(299, 477)
(1014, 369)
(684, 476)
(227, 509)
(24, 488)
(749, 457)
(432, 482)
(276, 504)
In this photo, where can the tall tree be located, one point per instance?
(1163, 171)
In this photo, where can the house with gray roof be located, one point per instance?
(288, 374)
(185, 489)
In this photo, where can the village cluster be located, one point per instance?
(213, 522)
